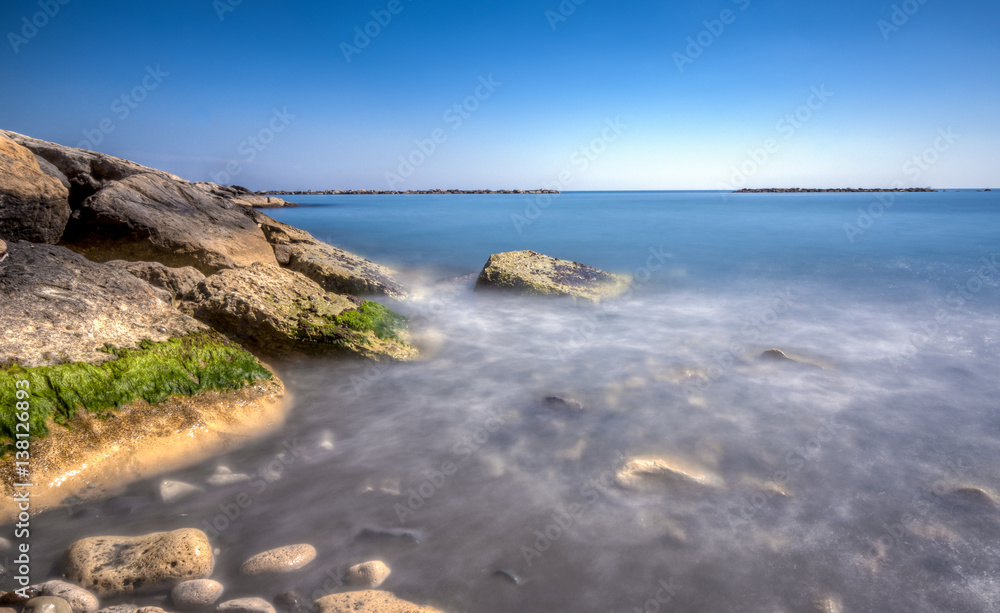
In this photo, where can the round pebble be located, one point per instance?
(47, 604)
(246, 605)
(280, 560)
(368, 574)
(196, 594)
(79, 599)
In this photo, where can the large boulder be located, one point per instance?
(85, 171)
(33, 205)
(113, 565)
(528, 272)
(60, 307)
(333, 268)
(150, 217)
(278, 311)
(243, 196)
(368, 601)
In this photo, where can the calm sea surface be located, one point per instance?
(868, 472)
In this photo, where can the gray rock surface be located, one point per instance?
(114, 565)
(34, 206)
(177, 282)
(59, 306)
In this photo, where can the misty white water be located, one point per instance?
(867, 472)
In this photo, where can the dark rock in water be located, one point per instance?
(560, 403)
(59, 306)
(290, 602)
(15, 599)
(33, 205)
(508, 575)
(528, 272)
(390, 533)
(177, 282)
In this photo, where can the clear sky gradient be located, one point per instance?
(516, 94)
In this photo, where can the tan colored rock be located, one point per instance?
(114, 565)
(47, 604)
(278, 311)
(529, 272)
(640, 472)
(79, 599)
(368, 574)
(245, 605)
(177, 282)
(196, 594)
(280, 560)
(369, 601)
(34, 206)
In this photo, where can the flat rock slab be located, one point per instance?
(529, 272)
(114, 565)
(60, 307)
(368, 601)
(280, 560)
(34, 206)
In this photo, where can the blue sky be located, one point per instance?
(516, 94)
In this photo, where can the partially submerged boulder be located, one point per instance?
(368, 601)
(113, 565)
(639, 473)
(278, 311)
(528, 272)
(33, 205)
(152, 217)
(334, 269)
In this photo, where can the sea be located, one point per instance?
(857, 470)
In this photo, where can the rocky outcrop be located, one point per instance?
(150, 217)
(114, 565)
(176, 282)
(33, 205)
(368, 601)
(334, 269)
(277, 311)
(60, 307)
(528, 272)
(243, 196)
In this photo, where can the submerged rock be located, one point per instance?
(112, 565)
(563, 404)
(33, 205)
(79, 599)
(290, 602)
(528, 272)
(638, 472)
(368, 601)
(367, 574)
(195, 594)
(278, 311)
(172, 491)
(47, 604)
(279, 560)
(246, 605)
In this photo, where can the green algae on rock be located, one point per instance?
(529, 272)
(152, 372)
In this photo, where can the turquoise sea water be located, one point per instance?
(867, 473)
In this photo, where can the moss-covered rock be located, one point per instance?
(276, 311)
(529, 272)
